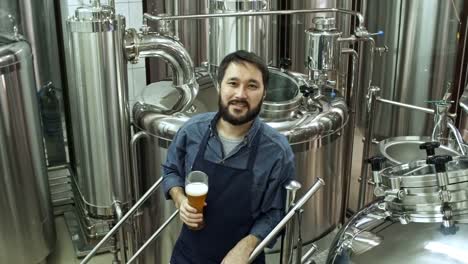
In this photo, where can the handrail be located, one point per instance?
(122, 221)
(154, 236)
(261, 13)
(317, 185)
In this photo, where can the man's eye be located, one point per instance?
(232, 83)
(253, 87)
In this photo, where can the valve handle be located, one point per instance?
(439, 162)
(284, 63)
(376, 162)
(430, 147)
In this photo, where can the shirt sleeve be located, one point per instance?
(272, 208)
(174, 167)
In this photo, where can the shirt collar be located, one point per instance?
(256, 124)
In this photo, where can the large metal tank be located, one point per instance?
(313, 129)
(414, 223)
(27, 233)
(419, 65)
(98, 105)
(229, 34)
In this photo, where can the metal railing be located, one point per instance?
(272, 235)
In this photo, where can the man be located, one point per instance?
(247, 163)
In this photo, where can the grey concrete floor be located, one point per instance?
(64, 252)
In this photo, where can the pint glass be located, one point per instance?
(196, 189)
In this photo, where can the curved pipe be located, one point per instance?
(172, 52)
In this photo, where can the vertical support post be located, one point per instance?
(287, 244)
(371, 107)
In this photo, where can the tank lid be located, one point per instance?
(12, 49)
(90, 19)
(91, 13)
(324, 23)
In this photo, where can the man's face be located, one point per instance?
(241, 93)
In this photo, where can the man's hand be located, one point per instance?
(187, 213)
(241, 252)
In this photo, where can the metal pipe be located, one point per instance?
(349, 145)
(154, 236)
(317, 185)
(262, 13)
(309, 253)
(172, 52)
(371, 107)
(287, 245)
(136, 239)
(119, 214)
(458, 137)
(122, 221)
(413, 107)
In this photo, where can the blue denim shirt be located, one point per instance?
(273, 168)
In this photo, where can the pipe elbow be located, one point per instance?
(172, 52)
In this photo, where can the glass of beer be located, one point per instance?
(196, 189)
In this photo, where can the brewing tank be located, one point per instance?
(229, 34)
(98, 104)
(27, 232)
(415, 222)
(313, 130)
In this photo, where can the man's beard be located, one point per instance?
(237, 121)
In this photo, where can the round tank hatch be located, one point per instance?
(282, 96)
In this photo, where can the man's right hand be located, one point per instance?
(187, 213)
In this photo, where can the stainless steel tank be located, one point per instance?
(292, 40)
(27, 232)
(414, 223)
(99, 110)
(313, 129)
(419, 65)
(230, 34)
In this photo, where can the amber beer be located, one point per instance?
(196, 189)
(196, 193)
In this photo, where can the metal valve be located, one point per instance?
(376, 162)
(430, 147)
(376, 166)
(439, 162)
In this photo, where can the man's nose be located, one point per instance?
(241, 92)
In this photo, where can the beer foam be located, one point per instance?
(196, 189)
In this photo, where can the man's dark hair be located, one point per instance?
(242, 56)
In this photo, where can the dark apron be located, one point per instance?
(227, 216)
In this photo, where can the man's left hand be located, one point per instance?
(241, 252)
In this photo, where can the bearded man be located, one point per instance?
(247, 163)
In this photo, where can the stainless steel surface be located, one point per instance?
(409, 106)
(458, 138)
(424, 197)
(464, 114)
(319, 183)
(315, 136)
(398, 150)
(323, 48)
(122, 221)
(360, 17)
(287, 243)
(229, 34)
(35, 20)
(370, 121)
(27, 231)
(192, 34)
(98, 106)
(375, 235)
(154, 236)
(420, 63)
(171, 51)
